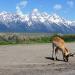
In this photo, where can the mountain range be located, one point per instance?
(36, 21)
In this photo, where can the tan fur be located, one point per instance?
(59, 44)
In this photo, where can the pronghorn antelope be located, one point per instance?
(59, 44)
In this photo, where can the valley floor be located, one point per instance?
(29, 59)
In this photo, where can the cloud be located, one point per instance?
(57, 6)
(35, 10)
(70, 3)
(23, 3)
(19, 6)
(18, 10)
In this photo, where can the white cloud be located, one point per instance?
(70, 3)
(35, 10)
(57, 6)
(18, 10)
(21, 5)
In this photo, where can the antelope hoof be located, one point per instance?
(56, 58)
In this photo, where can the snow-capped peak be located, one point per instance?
(37, 16)
(34, 16)
(35, 21)
(55, 18)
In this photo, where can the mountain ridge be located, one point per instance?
(35, 22)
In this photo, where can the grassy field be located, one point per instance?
(28, 38)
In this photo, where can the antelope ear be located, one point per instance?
(71, 54)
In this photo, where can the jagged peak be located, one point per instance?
(35, 15)
(55, 15)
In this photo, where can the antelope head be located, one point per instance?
(71, 54)
(66, 57)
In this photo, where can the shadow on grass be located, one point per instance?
(50, 58)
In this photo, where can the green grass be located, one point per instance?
(6, 39)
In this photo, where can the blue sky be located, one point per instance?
(64, 8)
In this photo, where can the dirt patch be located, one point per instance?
(34, 60)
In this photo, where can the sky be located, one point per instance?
(63, 8)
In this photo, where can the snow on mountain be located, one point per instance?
(36, 21)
